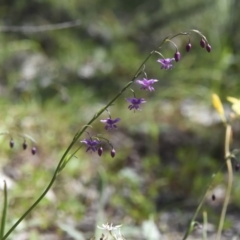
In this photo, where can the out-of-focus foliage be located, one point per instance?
(52, 82)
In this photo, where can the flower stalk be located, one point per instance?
(4, 211)
(204, 195)
(230, 180)
(75, 139)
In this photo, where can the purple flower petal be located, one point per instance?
(166, 63)
(110, 123)
(91, 144)
(135, 103)
(147, 84)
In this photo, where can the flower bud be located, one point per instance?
(203, 43)
(11, 143)
(188, 47)
(213, 197)
(177, 56)
(209, 48)
(24, 145)
(113, 152)
(237, 167)
(34, 150)
(100, 151)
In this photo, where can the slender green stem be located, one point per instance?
(205, 222)
(80, 132)
(190, 227)
(67, 159)
(4, 212)
(230, 181)
(41, 196)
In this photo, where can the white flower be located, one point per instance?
(119, 236)
(109, 227)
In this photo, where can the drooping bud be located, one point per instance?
(177, 56)
(237, 167)
(213, 197)
(203, 43)
(113, 153)
(11, 143)
(209, 48)
(100, 151)
(34, 150)
(188, 47)
(24, 145)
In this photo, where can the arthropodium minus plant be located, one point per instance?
(135, 103)
(34, 150)
(203, 43)
(188, 47)
(166, 63)
(100, 151)
(110, 123)
(95, 145)
(92, 144)
(11, 143)
(237, 167)
(147, 84)
(177, 56)
(209, 48)
(24, 145)
(113, 153)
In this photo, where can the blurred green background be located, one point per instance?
(53, 82)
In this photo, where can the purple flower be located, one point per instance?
(110, 123)
(135, 102)
(91, 144)
(166, 63)
(147, 84)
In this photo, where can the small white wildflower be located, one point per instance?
(109, 227)
(119, 236)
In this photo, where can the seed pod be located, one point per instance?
(11, 143)
(34, 150)
(113, 153)
(177, 56)
(188, 47)
(203, 43)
